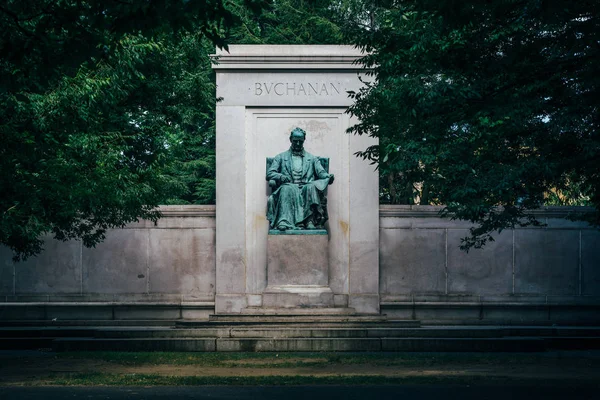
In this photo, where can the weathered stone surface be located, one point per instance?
(480, 271)
(119, 264)
(590, 262)
(231, 178)
(293, 296)
(340, 300)
(22, 312)
(364, 231)
(261, 79)
(140, 312)
(152, 344)
(182, 261)
(55, 270)
(522, 314)
(7, 270)
(269, 133)
(446, 312)
(546, 261)
(299, 344)
(412, 261)
(198, 315)
(254, 300)
(246, 78)
(75, 312)
(298, 259)
(292, 89)
(230, 303)
(364, 303)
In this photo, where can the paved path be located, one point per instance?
(404, 392)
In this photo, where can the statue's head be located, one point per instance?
(297, 137)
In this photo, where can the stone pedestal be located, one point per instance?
(298, 270)
(266, 91)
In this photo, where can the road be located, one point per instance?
(395, 392)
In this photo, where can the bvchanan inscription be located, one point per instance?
(297, 89)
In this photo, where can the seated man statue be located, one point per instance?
(300, 180)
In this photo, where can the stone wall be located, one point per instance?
(144, 271)
(168, 271)
(551, 273)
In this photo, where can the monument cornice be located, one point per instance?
(187, 211)
(256, 57)
(418, 211)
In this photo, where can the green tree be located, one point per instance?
(289, 22)
(280, 22)
(492, 105)
(95, 100)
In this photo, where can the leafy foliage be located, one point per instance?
(281, 22)
(290, 22)
(96, 99)
(491, 105)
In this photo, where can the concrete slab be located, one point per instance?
(298, 260)
(480, 271)
(182, 261)
(7, 272)
(412, 261)
(56, 270)
(546, 261)
(590, 263)
(119, 264)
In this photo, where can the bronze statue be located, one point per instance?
(299, 180)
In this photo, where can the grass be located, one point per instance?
(121, 368)
(98, 379)
(283, 360)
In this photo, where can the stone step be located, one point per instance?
(323, 323)
(290, 337)
(305, 344)
(382, 344)
(26, 343)
(48, 332)
(348, 332)
(84, 322)
(572, 343)
(142, 344)
(298, 331)
(296, 311)
(313, 317)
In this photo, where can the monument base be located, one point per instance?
(292, 296)
(298, 270)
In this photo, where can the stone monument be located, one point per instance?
(297, 254)
(267, 91)
(299, 182)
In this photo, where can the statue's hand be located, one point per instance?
(331, 179)
(284, 179)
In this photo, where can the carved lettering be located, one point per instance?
(323, 89)
(334, 88)
(297, 89)
(292, 88)
(275, 89)
(301, 89)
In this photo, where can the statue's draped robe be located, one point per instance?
(292, 204)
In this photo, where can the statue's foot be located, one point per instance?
(310, 225)
(282, 227)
